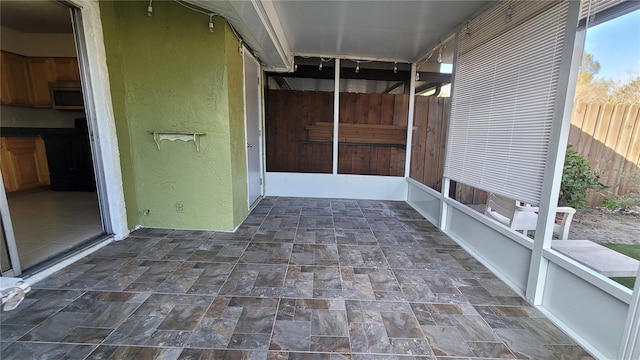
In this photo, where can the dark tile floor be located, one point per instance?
(300, 279)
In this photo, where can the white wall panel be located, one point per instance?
(336, 186)
(585, 311)
(507, 258)
(425, 200)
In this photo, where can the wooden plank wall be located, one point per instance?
(429, 135)
(429, 141)
(608, 136)
(372, 109)
(288, 113)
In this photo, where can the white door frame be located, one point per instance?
(247, 54)
(99, 112)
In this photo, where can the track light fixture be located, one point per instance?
(440, 54)
(211, 23)
(150, 9)
(395, 68)
(295, 67)
(357, 67)
(320, 66)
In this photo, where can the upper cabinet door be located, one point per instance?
(16, 89)
(40, 70)
(65, 69)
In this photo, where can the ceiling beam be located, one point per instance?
(393, 87)
(312, 72)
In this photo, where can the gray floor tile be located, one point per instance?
(299, 279)
(44, 351)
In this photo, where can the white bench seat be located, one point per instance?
(607, 262)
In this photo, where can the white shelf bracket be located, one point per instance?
(158, 136)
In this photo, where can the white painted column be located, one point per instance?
(630, 344)
(569, 65)
(412, 100)
(446, 182)
(336, 113)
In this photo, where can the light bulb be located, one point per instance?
(357, 67)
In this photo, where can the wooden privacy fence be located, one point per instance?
(430, 131)
(608, 136)
(371, 140)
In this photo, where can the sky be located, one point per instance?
(615, 44)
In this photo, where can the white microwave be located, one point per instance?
(66, 95)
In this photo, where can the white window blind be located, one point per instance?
(592, 7)
(503, 97)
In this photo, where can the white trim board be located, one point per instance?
(105, 131)
(336, 186)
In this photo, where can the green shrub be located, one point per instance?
(577, 178)
(629, 202)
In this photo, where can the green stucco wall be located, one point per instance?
(168, 72)
(235, 77)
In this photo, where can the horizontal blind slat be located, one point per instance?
(502, 102)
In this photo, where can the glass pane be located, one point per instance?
(431, 115)
(299, 118)
(604, 141)
(374, 105)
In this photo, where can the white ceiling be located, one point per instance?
(36, 16)
(278, 30)
(391, 30)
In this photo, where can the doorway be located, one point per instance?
(253, 126)
(52, 203)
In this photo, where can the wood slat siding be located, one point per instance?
(427, 155)
(290, 115)
(608, 136)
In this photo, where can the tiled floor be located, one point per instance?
(48, 222)
(300, 279)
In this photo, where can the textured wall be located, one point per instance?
(235, 76)
(168, 72)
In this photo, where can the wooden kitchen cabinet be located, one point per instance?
(23, 163)
(64, 69)
(25, 80)
(41, 72)
(15, 81)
